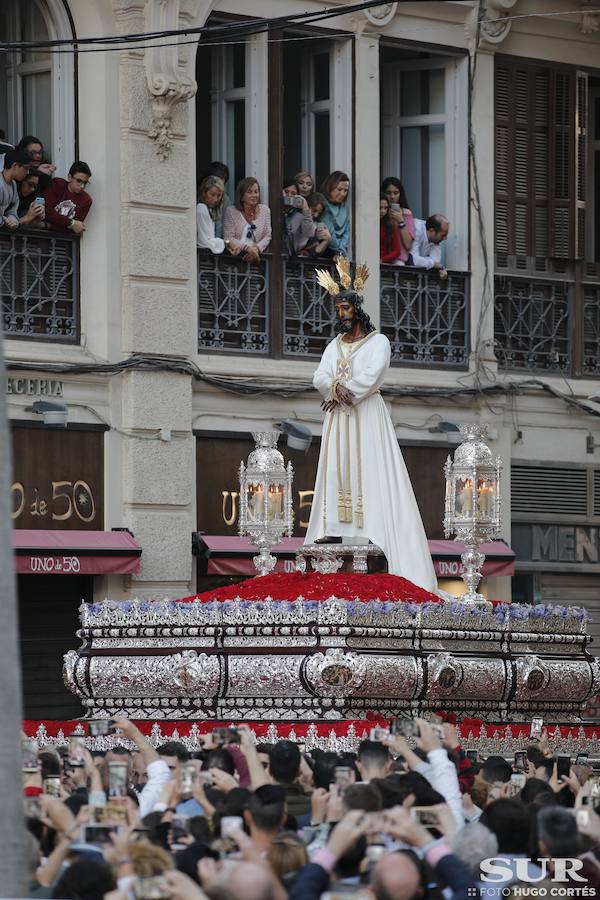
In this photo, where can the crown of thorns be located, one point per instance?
(333, 287)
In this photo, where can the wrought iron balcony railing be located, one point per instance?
(426, 318)
(239, 310)
(39, 285)
(549, 324)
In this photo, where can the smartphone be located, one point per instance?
(471, 755)
(582, 759)
(52, 785)
(233, 736)
(520, 763)
(230, 824)
(563, 766)
(39, 201)
(99, 727)
(29, 751)
(395, 206)
(405, 727)
(76, 757)
(425, 816)
(517, 781)
(187, 774)
(342, 777)
(220, 735)
(180, 827)
(378, 734)
(118, 773)
(536, 728)
(151, 887)
(582, 817)
(97, 834)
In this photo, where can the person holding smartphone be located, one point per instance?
(401, 215)
(299, 228)
(32, 208)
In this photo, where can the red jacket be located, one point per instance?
(389, 254)
(58, 192)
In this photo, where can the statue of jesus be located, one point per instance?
(363, 492)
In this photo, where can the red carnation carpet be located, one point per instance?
(314, 586)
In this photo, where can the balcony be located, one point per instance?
(549, 323)
(425, 319)
(39, 284)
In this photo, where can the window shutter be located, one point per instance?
(581, 136)
(540, 163)
(562, 143)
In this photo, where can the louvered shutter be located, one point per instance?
(536, 181)
(581, 136)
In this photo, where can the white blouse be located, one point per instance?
(205, 230)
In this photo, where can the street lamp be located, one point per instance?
(266, 513)
(472, 512)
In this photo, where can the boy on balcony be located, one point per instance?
(16, 168)
(67, 203)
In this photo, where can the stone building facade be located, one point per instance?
(162, 350)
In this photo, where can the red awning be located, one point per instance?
(229, 555)
(42, 552)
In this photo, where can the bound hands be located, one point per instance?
(344, 397)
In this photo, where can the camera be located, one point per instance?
(76, 758)
(231, 824)
(293, 202)
(52, 785)
(342, 777)
(425, 816)
(29, 752)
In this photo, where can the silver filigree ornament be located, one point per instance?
(472, 508)
(335, 673)
(266, 512)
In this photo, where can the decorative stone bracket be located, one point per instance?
(494, 21)
(590, 19)
(168, 83)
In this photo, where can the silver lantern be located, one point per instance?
(472, 512)
(266, 513)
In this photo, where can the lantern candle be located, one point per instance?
(484, 498)
(275, 501)
(256, 505)
(466, 499)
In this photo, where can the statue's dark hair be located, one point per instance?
(361, 316)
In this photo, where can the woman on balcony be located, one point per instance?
(247, 224)
(389, 239)
(32, 209)
(208, 212)
(305, 184)
(401, 214)
(336, 216)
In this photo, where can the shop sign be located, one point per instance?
(556, 543)
(58, 479)
(34, 387)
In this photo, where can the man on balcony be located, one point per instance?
(363, 492)
(16, 168)
(426, 251)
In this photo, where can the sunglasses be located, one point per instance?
(250, 232)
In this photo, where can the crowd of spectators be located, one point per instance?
(32, 197)
(412, 814)
(314, 224)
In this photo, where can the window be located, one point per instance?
(316, 108)
(37, 87)
(424, 139)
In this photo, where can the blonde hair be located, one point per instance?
(205, 185)
(149, 859)
(286, 853)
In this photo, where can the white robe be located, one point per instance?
(391, 517)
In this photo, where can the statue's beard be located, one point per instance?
(345, 326)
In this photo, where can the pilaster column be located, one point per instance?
(365, 223)
(159, 298)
